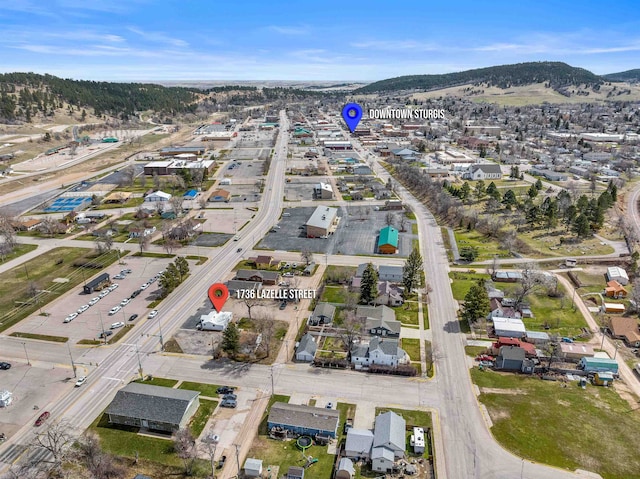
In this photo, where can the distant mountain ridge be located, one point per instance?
(557, 74)
(629, 75)
(23, 95)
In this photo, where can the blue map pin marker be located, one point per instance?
(352, 113)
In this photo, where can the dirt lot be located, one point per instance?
(228, 220)
(87, 325)
(357, 233)
(301, 188)
(31, 385)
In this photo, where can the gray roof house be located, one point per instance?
(261, 276)
(234, 285)
(390, 273)
(388, 441)
(322, 314)
(297, 419)
(380, 320)
(379, 351)
(153, 407)
(358, 443)
(510, 358)
(306, 349)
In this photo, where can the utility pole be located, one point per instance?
(73, 365)
(139, 363)
(272, 386)
(160, 331)
(24, 345)
(237, 459)
(104, 336)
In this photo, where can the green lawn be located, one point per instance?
(347, 410)
(411, 416)
(407, 313)
(208, 390)
(168, 383)
(18, 250)
(201, 416)
(462, 282)
(41, 337)
(130, 203)
(334, 294)
(41, 271)
(545, 245)
(592, 429)
(473, 351)
(412, 347)
(487, 247)
(414, 228)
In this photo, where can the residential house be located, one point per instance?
(615, 290)
(509, 327)
(498, 310)
(153, 407)
(537, 338)
(380, 351)
(157, 196)
(29, 225)
(388, 240)
(380, 320)
(264, 261)
(220, 195)
(576, 350)
(298, 419)
(237, 285)
(626, 328)
(388, 441)
(529, 349)
(258, 275)
(618, 274)
(322, 314)
(306, 349)
(358, 443)
(389, 273)
(486, 171)
(389, 294)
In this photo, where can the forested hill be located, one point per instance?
(22, 95)
(556, 74)
(629, 75)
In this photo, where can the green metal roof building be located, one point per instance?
(593, 365)
(388, 240)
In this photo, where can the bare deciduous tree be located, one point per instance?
(251, 303)
(56, 440)
(352, 329)
(185, 447)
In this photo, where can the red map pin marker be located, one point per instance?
(218, 294)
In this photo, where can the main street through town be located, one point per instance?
(464, 447)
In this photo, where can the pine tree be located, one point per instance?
(581, 226)
(476, 303)
(231, 340)
(369, 285)
(411, 271)
(182, 266)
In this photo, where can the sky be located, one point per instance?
(145, 40)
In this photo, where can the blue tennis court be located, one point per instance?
(68, 204)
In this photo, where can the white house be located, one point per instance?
(618, 274)
(385, 352)
(215, 321)
(487, 171)
(388, 441)
(158, 196)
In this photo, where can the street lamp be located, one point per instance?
(616, 351)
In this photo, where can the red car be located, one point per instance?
(42, 418)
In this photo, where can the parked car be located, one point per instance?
(42, 418)
(133, 317)
(114, 310)
(225, 390)
(282, 305)
(152, 280)
(125, 301)
(113, 287)
(93, 301)
(230, 396)
(288, 274)
(153, 314)
(105, 334)
(80, 381)
(5, 365)
(82, 308)
(213, 438)
(117, 325)
(70, 318)
(144, 286)
(119, 276)
(135, 293)
(238, 250)
(329, 405)
(231, 403)
(284, 284)
(125, 271)
(104, 293)
(221, 462)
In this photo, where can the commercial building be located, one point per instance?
(178, 150)
(97, 283)
(388, 240)
(618, 274)
(214, 321)
(323, 222)
(220, 196)
(594, 365)
(322, 191)
(153, 407)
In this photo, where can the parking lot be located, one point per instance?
(31, 386)
(89, 324)
(357, 233)
(301, 188)
(243, 169)
(228, 220)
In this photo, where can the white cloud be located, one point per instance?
(289, 30)
(159, 37)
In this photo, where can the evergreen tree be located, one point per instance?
(369, 285)
(411, 271)
(231, 340)
(533, 192)
(465, 191)
(538, 184)
(182, 267)
(476, 303)
(509, 199)
(581, 226)
(480, 189)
